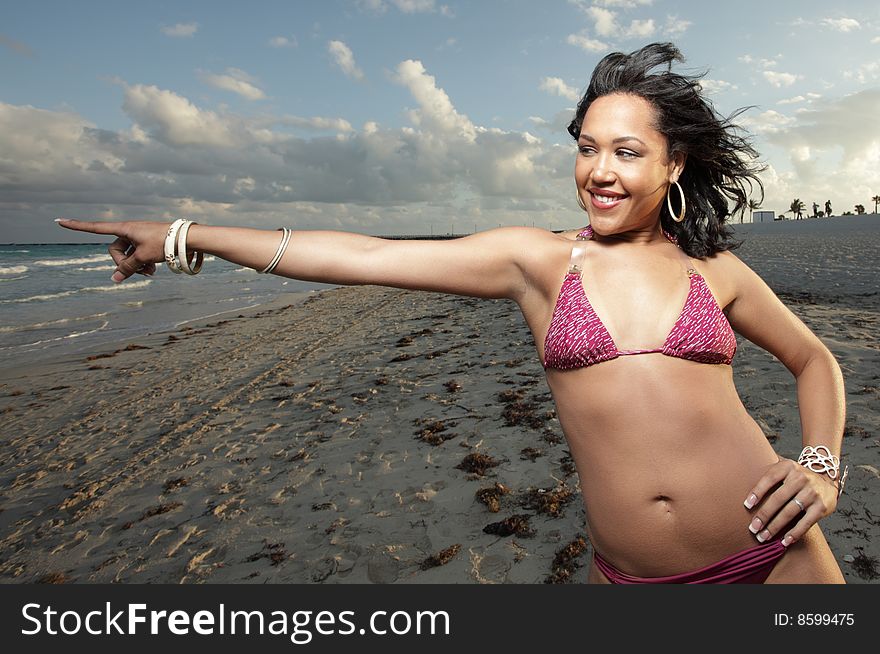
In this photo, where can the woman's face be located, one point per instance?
(622, 168)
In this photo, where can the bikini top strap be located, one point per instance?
(576, 263)
(687, 260)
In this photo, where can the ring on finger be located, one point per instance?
(799, 503)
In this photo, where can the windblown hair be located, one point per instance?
(720, 162)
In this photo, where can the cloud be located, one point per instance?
(864, 73)
(675, 26)
(437, 112)
(780, 79)
(586, 43)
(180, 29)
(604, 21)
(768, 122)
(235, 80)
(833, 148)
(717, 85)
(16, 46)
(557, 86)
(841, 24)
(283, 42)
(344, 58)
(807, 97)
(405, 6)
(623, 4)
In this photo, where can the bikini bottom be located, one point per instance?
(749, 566)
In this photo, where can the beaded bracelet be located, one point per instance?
(820, 459)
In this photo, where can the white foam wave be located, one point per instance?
(40, 325)
(72, 262)
(88, 289)
(91, 268)
(12, 279)
(13, 270)
(59, 338)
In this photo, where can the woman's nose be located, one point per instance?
(602, 171)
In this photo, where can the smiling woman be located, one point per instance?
(680, 485)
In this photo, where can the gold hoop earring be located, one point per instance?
(680, 216)
(581, 201)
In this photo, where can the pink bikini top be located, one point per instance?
(577, 338)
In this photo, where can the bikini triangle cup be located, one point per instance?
(578, 338)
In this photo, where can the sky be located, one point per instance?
(397, 116)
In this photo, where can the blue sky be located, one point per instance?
(396, 116)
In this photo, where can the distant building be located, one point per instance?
(763, 216)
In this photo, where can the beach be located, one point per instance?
(375, 435)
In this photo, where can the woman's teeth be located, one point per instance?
(605, 199)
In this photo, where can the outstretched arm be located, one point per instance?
(489, 264)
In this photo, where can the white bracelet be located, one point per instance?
(285, 239)
(170, 242)
(182, 260)
(820, 459)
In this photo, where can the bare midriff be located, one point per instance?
(666, 454)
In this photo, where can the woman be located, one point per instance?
(680, 484)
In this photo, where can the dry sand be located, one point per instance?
(322, 439)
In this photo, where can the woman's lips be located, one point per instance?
(599, 204)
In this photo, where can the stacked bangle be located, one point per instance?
(820, 459)
(175, 249)
(285, 239)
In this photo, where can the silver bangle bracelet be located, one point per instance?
(819, 459)
(285, 239)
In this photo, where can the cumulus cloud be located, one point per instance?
(841, 24)
(557, 86)
(180, 29)
(283, 42)
(585, 43)
(235, 80)
(717, 85)
(778, 79)
(344, 58)
(833, 148)
(405, 6)
(177, 157)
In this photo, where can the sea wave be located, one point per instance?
(91, 268)
(87, 289)
(40, 325)
(72, 262)
(13, 270)
(58, 338)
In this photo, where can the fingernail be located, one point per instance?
(764, 535)
(117, 277)
(750, 501)
(58, 220)
(755, 526)
(787, 541)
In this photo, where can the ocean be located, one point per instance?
(58, 299)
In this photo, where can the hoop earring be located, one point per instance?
(680, 216)
(581, 201)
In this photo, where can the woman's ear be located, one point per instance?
(679, 159)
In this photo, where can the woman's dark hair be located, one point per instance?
(720, 163)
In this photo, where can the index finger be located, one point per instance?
(90, 226)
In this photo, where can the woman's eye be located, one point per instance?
(626, 154)
(585, 150)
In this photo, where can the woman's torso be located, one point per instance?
(664, 448)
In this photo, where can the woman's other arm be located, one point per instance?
(759, 315)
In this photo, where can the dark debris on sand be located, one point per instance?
(153, 511)
(865, 566)
(520, 411)
(549, 502)
(442, 557)
(565, 563)
(174, 484)
(492, 495)
(477, 463)
(275, 552)
(515, 525)
(433, 431)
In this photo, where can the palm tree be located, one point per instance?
(860, 209)
(876, 201)
(797, 208)
(753, 205)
